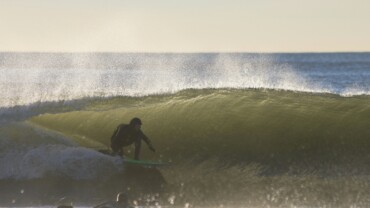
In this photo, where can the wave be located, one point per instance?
(224, 144)
(283, 129)
(264, 126)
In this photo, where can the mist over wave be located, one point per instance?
(33, 78)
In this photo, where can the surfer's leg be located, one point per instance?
(120, 152)
(137, 148)
(117, 149)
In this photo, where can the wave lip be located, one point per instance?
(149, 74)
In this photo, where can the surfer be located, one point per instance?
(125, 135)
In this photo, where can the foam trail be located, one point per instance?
(30, 152)
(57, 160)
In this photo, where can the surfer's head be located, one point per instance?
(136, 123)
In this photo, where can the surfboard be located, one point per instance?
(143, 163)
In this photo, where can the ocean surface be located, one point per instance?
(239, 130)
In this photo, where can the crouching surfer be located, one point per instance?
(127, 134)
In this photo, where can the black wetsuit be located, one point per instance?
(125, 135)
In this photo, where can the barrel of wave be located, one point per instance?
(230, 124)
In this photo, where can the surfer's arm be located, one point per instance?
(115, 133)
(147, 141)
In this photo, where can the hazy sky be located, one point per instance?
(184, 26)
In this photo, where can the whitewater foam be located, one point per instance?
(58, 160)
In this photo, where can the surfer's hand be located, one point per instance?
(152, 148)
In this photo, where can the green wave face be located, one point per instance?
(234, 126)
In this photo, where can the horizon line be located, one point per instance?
(185, 52)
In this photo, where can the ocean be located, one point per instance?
(238, 129)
